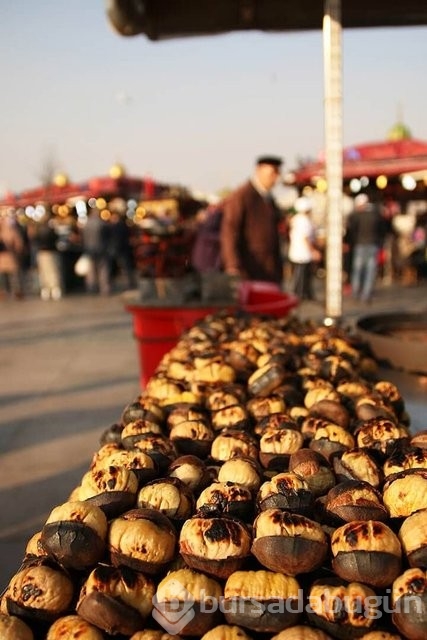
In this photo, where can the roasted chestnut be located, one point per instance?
(409, 603)
(113, 489)
(233, 442)
(142, 539)
(41, 591)
(191, 471)
(286, 491)
(242, 471)
(262, 601)
(168, 495)
(314, 469)
(277, 444)
(366, 551)
(75, 534)
(215, 545)
(227, 497)
(288, 542)
(13, 628)
(179, 599)
(345, 611)
(73, 626)
(225, 632)
(301, 632)
(405, 492)
(357, 464)
(330, 439)
(413, 538)
(116, 600)
(355, 500)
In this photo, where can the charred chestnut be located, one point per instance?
(409, 603)
(116, 600)
(314, 469)
(288, 542)
(345, 611)
(413, 538)
(355, 500)
(367, 552)
(215, 545)
(405, 492)
(75, 534)
(285, 491)
(169, 496)
(142, 539)
(183, 590)
(261, 601)
(13, 628)
(73, 626)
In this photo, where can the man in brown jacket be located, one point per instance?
(250, 243)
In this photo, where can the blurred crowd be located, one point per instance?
(381, 243)
(39, 257)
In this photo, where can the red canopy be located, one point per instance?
(389, 158)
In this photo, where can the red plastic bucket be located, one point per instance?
(265, 298)
(158, 329)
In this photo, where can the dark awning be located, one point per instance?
(159, 19)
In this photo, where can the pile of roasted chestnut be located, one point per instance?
(264, 485)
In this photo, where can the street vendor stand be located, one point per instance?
(173, 19)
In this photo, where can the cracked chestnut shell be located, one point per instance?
(367, 552)
(192, 437)
(181, 591)
(413, 538)
(405, 493)
(113, 489)
(12, 628)
(404, 458)
(191, 470)
(343, 610)
(314, 469)
(169, 496)
(226, 632)
(357, 464)
(262, 601)
(409, 603)
(142, 539)
(381, 434)
(285, 491)
(214, 545)
(73, 626)
(242, 471)
(302, 632)
(40, 591)
(276, 446)
(116, 599)
(227, 497)
(355, 500)
(75, 534)
(288, 542)
(330, 439)
(233, 442)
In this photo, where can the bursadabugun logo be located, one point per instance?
(174, 613)
(177, 606)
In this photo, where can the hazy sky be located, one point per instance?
(193, 111)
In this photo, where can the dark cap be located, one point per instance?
(275, 161)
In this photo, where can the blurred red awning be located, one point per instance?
(389, 158)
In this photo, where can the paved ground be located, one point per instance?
(67, 369)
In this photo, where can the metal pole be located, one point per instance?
(333, 156)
